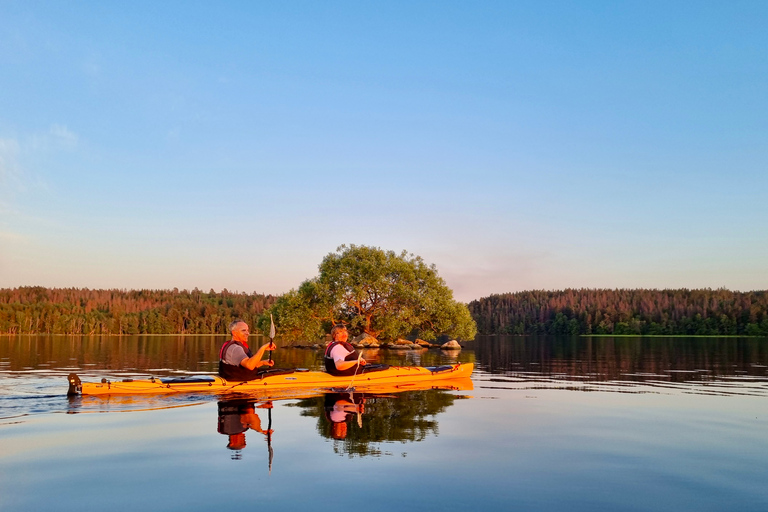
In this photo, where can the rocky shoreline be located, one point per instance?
(365, 341)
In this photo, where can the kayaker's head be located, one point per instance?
(339, 430)
(236, 441)
(239, 330)
(339, 333)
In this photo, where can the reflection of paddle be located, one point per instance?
(359, 418)
(269, 439)
(358, 408)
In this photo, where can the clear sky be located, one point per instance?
(515, 145)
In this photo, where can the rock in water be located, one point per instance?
(451, 345)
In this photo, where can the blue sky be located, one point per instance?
(515, 145)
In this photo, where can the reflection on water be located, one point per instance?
(627, 364)
(33, 368)
(238, 416)
(360, 423)
(167, 355)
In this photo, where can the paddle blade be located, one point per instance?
(271, 327)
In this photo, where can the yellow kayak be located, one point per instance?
(401, 377)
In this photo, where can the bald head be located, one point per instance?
(239, 330)
(235, 325)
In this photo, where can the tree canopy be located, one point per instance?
(625, 312)
(380, 293)
(38, 310)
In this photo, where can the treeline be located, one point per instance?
(38, 310)
(650, 312)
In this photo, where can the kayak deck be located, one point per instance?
(279, 379)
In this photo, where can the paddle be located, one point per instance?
(269, 411)
(357, 367)
(271, 334)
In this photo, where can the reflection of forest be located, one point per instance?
(599, 358)
(609, 358)
(184, 353)
(403, 417)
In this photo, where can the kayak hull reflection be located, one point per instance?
(397, 376)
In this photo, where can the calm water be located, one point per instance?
(552, 424)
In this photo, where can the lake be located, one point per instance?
(586, 423)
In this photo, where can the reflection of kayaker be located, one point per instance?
(236, 361)
(341, 358)
(339, 407)
(236, 417)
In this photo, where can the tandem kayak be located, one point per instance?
(275, 379)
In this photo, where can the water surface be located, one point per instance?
(550, 424)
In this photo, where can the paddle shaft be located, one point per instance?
(357, 367)
(271, 334)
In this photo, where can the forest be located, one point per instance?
(37, 310)
(624, 311)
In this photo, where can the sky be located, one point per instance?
(515, 145)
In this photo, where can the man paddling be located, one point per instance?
(236, 361)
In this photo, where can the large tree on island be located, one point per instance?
(376, 292)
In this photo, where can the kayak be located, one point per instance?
(401, 377)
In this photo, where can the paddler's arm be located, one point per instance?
(348, 406)
(255, 361)
(345, 365)
(251, 420)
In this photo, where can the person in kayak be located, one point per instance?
(341, 358)
(236, 361)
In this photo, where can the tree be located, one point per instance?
(376, 292)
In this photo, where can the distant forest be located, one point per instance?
(649, 312)
(37, 310)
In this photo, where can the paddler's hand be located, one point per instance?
(265, 405)
(270, 346)
(265, 363)
(363, 361)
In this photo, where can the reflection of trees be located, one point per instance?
(609, 358)
(173, 352)
(405, 417)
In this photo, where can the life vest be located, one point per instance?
(330, 364)
(229, 416)
(235, 372)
